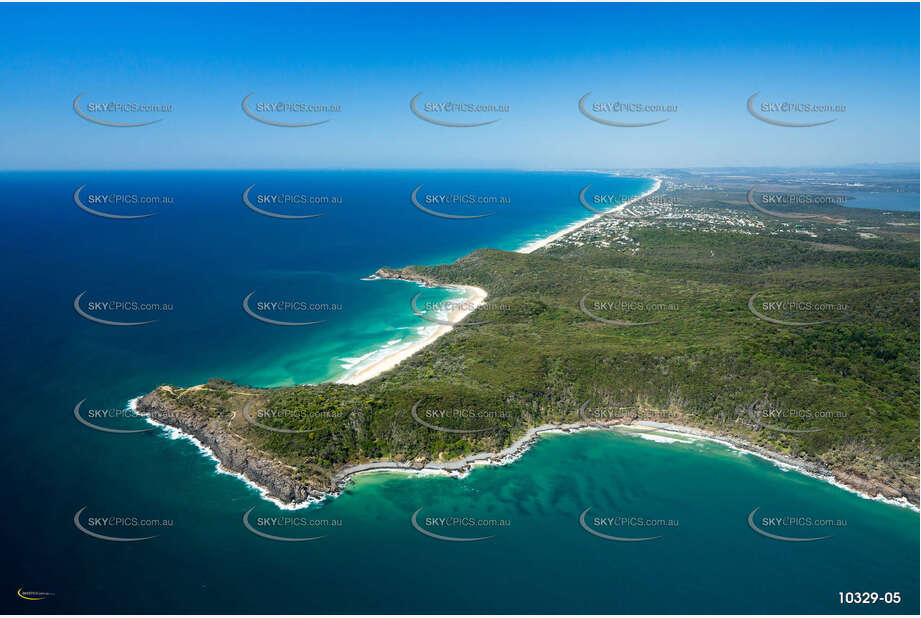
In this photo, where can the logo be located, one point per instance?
(610, 521)
(252, 207)
(280, 521)
(784, 521)
(779, 215)
(615, 413)
(757, 416)
(109, 521)
(279, 107)
(413, 304)
(447, 521)
(415, 201)
(585, 310)
(83, 421)
(786, 107)
(248, 417)
(33, 595)
(111, 107)
(616, 107)
(585, 203)
(461, 413)
(278, 306)
(83, 206)
(795, 305)
(453, 107)
(109, 305)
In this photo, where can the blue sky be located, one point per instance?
(537, 59)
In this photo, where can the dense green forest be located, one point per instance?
(841, 391)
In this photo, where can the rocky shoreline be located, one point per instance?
(230, 450)
(278, 482)
(406, 274)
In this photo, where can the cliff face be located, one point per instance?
(231, 450)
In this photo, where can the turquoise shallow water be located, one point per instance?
(542, 561)
(202, 257)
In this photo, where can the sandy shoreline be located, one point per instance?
(358, 374)
(459, 468)
(363, 372)
(543, 242)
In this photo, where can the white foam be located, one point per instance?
(174, 433)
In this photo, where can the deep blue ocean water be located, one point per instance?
(200, 256)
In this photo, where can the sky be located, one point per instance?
(537, 59)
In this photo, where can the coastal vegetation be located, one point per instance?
(659, 327)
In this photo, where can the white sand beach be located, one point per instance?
(543, 242)
(362, 372)
(393, 357)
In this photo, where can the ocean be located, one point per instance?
(190, 267)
